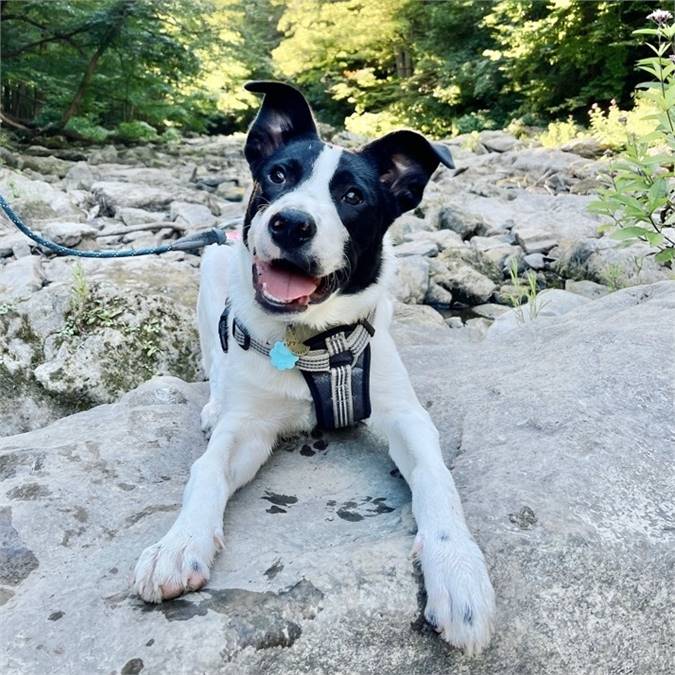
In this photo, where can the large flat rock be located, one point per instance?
(561, 440)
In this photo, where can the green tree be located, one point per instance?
(344, 54)
(109, 60)
(452, 85)
(440, 66)
(561, 56)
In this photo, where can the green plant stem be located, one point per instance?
(663, 90)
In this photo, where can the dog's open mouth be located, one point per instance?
(282, 286)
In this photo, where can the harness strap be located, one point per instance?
(336, 368)
(222, 327)
(341, 395)
(318, 358)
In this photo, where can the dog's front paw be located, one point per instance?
(210, 415)
(176, 564)
(460, 598)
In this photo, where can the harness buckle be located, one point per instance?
(341, 359)
(368, 326)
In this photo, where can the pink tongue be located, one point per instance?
(283, 284)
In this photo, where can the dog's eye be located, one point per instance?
(277, 175)
(353, 197)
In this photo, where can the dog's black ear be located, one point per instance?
(284, 115)
(405, 161)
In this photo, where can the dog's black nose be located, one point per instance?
(290, 228)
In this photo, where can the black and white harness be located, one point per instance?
(335, 365)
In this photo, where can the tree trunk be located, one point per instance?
(117, 17)
(84, 84)
(6, 119)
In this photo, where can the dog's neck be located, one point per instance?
(335, 311)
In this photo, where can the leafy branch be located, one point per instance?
(640, 196)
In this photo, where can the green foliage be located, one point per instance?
(561, 56)
(613, 276)
(559, 133)
(85, 128)
(524, 290)
(458, 66)
(108, 61)
(136, 131)
(86, 311)
(171, 135)
(615, 127)
(640, 196)
(388, 64)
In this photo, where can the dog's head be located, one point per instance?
(318, 213)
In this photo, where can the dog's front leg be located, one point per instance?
(180, 561)
(460, 598)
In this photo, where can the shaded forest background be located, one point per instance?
(138, 69)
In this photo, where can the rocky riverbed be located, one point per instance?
(78, 333)
(556, 417)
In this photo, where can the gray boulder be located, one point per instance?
(412, 279)
(68, 233)
(13, 242)
(498, 141)
(465, 224)
(586, 147)
(114, 195)
(104, 155)
(79, 177)
(131, 216)
(405, 225)
(20, 278)
(85, 338)
(539, 161)
(231, 191)
(464, 274)
(534, 239)
(607, 261)
(588, 289)
(566, 488)
(551, 302)
(535, 261)
(421, 246)
(35, 200)
(496, 248)
(489, 310)
(47, 165)
(191, 215)
(442, 238)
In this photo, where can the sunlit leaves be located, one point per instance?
(640, 195)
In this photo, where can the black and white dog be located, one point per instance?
(314, 260)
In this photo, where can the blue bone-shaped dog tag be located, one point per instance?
(282, 357)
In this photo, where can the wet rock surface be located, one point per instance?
(560, 437)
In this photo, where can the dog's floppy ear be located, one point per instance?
(284, 115)
(405, 161)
